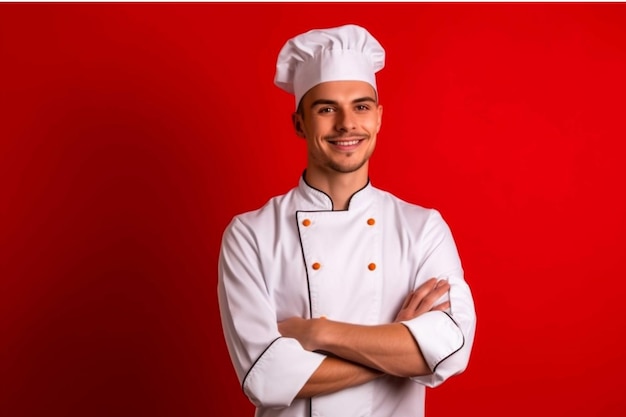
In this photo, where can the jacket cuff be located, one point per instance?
(280, 372)
(437, 335)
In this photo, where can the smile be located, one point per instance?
(346, 142)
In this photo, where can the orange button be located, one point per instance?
(371, 266)
(316, 266)
(306, 222)
(371, 222)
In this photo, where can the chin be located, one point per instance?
(346, 169)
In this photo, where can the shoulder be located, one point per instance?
(266, 215)
(425, 230)
(411, 218)
(405, 208)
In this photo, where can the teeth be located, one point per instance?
(347, 142)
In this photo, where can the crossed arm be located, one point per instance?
(358, 353)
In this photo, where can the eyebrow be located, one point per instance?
(333, 102)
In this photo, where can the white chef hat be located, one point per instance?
(342, 53)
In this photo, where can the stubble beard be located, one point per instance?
(349, 166)
(345, 169)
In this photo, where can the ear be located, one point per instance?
(296, 119)
(380, 118)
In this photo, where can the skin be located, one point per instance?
(340, 121)
(332, 116)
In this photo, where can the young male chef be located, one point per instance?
(339, 299)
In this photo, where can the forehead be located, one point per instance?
(339, 91)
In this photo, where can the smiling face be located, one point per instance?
(340, 121)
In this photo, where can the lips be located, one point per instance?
(346, 142)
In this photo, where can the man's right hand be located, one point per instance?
(423, 299)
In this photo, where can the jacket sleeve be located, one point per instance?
(445, 338)
(270, 368)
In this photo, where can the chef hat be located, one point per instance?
(336, 54)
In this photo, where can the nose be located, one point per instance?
(345, 121)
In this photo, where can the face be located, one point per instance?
(340, 121)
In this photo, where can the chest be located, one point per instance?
(349, 266)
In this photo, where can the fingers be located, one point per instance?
(408, 300)
(415, 298)
(424, 297)
(427, 302)
(441, 307)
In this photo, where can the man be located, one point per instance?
(337, 298)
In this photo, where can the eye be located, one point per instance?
(362, 107)
(325, 110)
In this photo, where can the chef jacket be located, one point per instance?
(295, 256)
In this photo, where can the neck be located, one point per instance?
(339, 186)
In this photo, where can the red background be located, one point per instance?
(131, 134)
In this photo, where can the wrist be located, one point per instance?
(321, 331)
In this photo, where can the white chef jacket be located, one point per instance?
(295, 256)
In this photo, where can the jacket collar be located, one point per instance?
(315, 199)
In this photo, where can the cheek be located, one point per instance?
(321, 127)
(374, 126)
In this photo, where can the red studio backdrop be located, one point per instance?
(131, 134)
